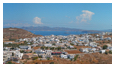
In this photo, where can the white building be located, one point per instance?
(48, 45)
(70, 56)
(7, 42)
(64, 56)
(102, 51)
(84, 50)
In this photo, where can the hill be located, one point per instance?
(46, 28)
(16, 33)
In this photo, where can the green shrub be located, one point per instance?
(106, 52)
(110, 52)
(9, 62)
(34, 58)
(71, 44)
(51, 62)
(105, 47)
(48, 58)
(75, 58)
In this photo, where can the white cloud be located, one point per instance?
(37, 20)
(86, 16)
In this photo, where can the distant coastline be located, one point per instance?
(46, 33)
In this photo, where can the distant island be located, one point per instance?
(46, 28)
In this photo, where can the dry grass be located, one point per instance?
(35, 48)
(72, 51)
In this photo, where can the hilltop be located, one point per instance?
(46, 28)
(16, 33)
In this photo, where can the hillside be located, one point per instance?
(16, 33)
(46, 28)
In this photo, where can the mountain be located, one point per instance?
(46, 28)
(109, 30)
(16, 33)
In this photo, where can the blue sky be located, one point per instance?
(88, 16)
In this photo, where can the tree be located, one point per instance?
(42, 47)
(22, 51)
(110, 52)
(12, 48)
(12, 54)
(106, 52)
(52, 48)
(105, 47)
(46, 48)
(71, 44)
(59, 48)
(60, 39)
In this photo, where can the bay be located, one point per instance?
(64, 33)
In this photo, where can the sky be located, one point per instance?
(87, 16)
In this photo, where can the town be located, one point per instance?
(54, 47)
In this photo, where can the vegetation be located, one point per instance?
(48, 58)
(51, 62)
(53, 44)
(14, 45)
(46, 48)
(10, 45)
(58, 48)
(9, 62)
(110, 52)
(40, 56)
(12, 48)
(52, 48)
(106, 52)
(71, 44)
(75, 58)
(34, 58)
(12, 54)
(60, 39)
(21, 51)
(12, 39)
(43, 47)
(105, 47)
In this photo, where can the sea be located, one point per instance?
(64, 33)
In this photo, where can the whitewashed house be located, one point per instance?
(71, 46)
(48, 45)
(70, 56)
(110, 48)
(25, 47)
(34, 45)
(8, 42)
(108, 38)
(86, 41)
(64, 56)
(93, 49)
(102, 51)
(39, 51)
(84, 50)
(86, 44)
(18, 54)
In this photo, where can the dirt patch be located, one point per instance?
(73, 51)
